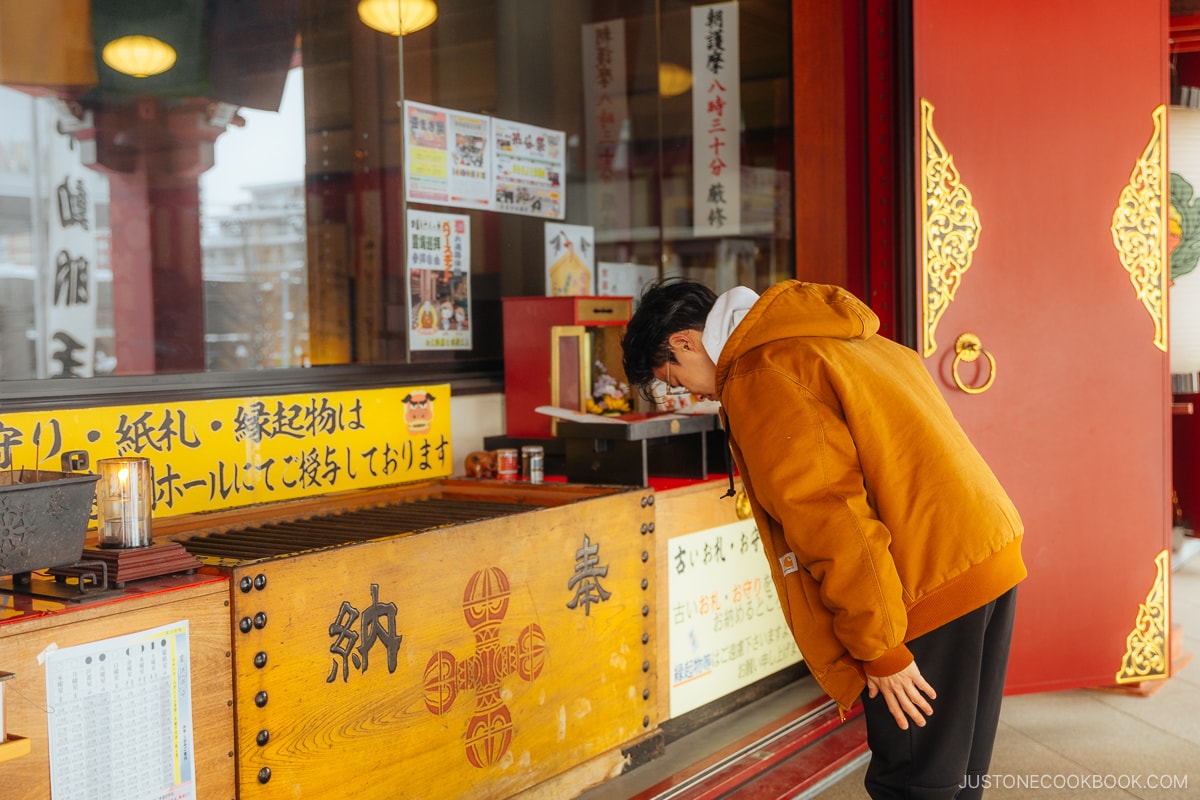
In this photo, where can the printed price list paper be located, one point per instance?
(120, 717)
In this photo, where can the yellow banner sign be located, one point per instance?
(216, 454)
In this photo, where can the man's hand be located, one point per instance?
(903, 694)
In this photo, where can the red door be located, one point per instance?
(1041, 169)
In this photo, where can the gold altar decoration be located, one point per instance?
(1138, 224)
(949, 229)
(1147, 651)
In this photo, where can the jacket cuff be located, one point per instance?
(891, 662)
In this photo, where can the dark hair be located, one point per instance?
(667, 306)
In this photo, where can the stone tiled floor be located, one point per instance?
(1086, 743)
(1123, 746)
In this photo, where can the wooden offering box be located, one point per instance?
(456, 638)
(103, 709)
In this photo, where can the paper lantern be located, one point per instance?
(139, 56)
(397, 17)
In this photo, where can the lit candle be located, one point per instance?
(126, 502)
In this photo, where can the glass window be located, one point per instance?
(282, 186)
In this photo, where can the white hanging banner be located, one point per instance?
(716, 121)
(606, 125)
(68, 265)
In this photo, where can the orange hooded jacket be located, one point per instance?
(880, 519)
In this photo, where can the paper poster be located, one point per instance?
(614, 279)
(530, 167)
(439, 281)
(446, 156)
(120, 721)
(726, 627)
(607, 125)
(570, 259)
(716, 121)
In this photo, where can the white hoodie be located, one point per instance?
(726, 313)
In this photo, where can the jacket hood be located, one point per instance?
(794, 308)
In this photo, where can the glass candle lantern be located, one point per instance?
(124, 496)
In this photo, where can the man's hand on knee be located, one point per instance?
(905, 694)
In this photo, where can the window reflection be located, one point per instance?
(253, 239)
(246, 209)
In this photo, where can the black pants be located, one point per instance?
(965, 662)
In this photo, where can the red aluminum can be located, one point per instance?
(508, 464)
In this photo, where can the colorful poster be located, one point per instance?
(606, 126)
(439, 281)
(121, 725)
(726, 627)
(530, 167)
(570, 259)
(470, 160)
(446, 156)
(716, 121)
(218, 454)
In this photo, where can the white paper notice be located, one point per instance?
(726, 627)
(119, 716)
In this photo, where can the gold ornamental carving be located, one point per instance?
(949, 229)
(1147, 651)
(1138, 227)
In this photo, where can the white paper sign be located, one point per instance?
(716, 121)
(615, 279)
(726, 627)
(120, 717)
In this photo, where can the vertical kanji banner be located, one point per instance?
(716, 121)
(67, 263)
(606, 125)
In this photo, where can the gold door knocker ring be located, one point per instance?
(968, 348)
